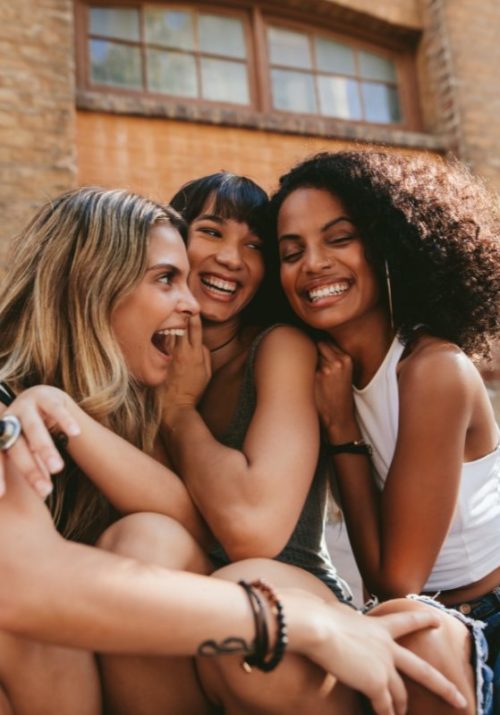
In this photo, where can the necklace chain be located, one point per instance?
(219, 347)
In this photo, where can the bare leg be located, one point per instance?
(138, 685)
(40, 679)
(447, 648)
(297, 685)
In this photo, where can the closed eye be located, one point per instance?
(291, 257)
(341, 240)
(209, 231)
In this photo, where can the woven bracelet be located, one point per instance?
(259, 659)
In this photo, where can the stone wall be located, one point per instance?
(37, 108)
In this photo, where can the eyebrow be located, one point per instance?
(329, 224)
(163, 267)
(210, 217)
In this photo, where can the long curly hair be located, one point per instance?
(435, 225)
(69, 267)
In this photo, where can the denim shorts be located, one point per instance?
(482, 618)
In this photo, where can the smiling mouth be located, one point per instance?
(326, 291)
(219, 285)
(165, 340)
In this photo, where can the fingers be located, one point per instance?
(400, 624)
(195, 331)
(393, 699)
(31, 467)
(426, 675)
(34, 454)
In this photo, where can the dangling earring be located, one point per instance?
(389, 292)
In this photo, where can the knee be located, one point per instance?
(156, 539)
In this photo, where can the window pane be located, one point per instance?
(222, 36)
(120, 23)
(375, 67)
(119, 65)
(381, 103)
(289, 48)
(334, 57)
(223, 81)
(293, 91)
(172, 73)
(339, 97)
(170, 28)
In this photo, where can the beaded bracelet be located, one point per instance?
(261, 640)
(258, 659)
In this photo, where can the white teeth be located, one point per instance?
(324, 291)
(173, 331)
(220, 284)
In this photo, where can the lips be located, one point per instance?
(165, 340)
(326, 290)
(218, 284)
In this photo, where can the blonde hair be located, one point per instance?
(77, 257)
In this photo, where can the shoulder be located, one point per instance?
(435, 366)
(285, 337)
(285, 353)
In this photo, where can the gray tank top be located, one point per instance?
(306, 547)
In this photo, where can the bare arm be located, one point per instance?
(413, 513)
(252, 498)
(130, 479)
(66, 593)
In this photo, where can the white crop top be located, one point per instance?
(471, 548)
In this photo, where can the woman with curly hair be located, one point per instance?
(397, 260)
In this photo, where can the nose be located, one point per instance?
(187, 303)
(229, 255)
(316, 259)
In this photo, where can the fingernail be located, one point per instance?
(73, 429)
(43, 488)
(460, 700)
(55, 464)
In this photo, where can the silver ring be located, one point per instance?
(10, 431)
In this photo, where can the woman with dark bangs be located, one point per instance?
(397, 260)
(244, 443)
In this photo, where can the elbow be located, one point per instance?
(395, 585)
(250, 539)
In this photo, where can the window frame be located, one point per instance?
(83, 35)
(355, 44)
(257, 17)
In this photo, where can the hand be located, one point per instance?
(333, 390)
(367, 658)
(189, 373)
(40, 409)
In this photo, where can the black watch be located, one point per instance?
(357, 447)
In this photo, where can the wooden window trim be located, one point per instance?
(256, 18)
(83, 63)
(410, 114)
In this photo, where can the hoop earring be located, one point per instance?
(389, 292)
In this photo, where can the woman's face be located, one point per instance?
(324, 271)
(147, 321)
(226, 261)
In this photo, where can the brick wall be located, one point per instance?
(156, 156)
(37, 141)
(473, 30)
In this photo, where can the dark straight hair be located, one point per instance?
(240, 199)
